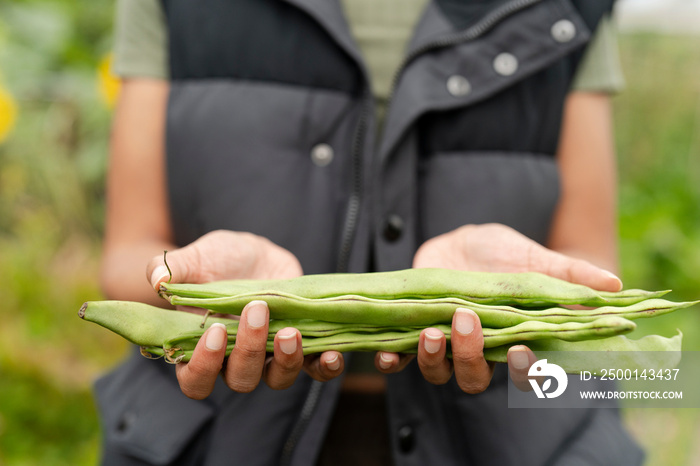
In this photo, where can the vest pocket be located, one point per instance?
(144, 414)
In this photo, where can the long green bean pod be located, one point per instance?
(480, 287)
(387, 312)
(147, 325)
(393, 340)
(142, 324)
(181, 347)
(414, 312)
(652, 352)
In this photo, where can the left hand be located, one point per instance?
(486, 248)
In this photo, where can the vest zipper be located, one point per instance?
(353, 209)
(307, 410)
(349, 227)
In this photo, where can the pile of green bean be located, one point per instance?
(386, 311)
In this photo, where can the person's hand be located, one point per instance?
(497, 248)
(224, 255)
(486, 248)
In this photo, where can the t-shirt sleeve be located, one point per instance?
(140, 40)
(600, 69)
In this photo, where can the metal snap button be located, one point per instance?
(407, 439)
(393, 228)
(126, 422)
(322, 154)
(563, 30)
(458, 85)
(505, 64)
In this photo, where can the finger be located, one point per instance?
(325, 367)
(574, 270)
(390, 363)
(472, 372)
(432, 346)
(247, 359)
(282, 369)
(584, 273)
(197, 377)
(520, 358)
(181, 264)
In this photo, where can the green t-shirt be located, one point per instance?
(140, 40)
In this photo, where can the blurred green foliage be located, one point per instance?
(657, 123)
(51, 212)
(55, 159)
(51, 208)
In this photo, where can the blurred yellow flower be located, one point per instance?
(107, 83)
(8, 113)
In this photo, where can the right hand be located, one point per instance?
(227, 255)
(486, 248)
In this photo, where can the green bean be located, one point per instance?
(180, 347)
(479, 287)
(408, 340)
(643, 309)
(413, 312)
(345, 309)
(652, 352)
(316, 328)
(147, 325)
(142, 324)
(393, 308)
(603, 327)
(150, 326)
(391, 339)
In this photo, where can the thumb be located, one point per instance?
(175, 267)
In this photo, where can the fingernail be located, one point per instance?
(216, 337)
(464, 321)
(384, 362)
(288, 340)
(159, 274)
(613, 276)
(256, 314)
(432, 341)
(519, 359)
(334, 363)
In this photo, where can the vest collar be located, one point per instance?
(432, 25)
(329, 14)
